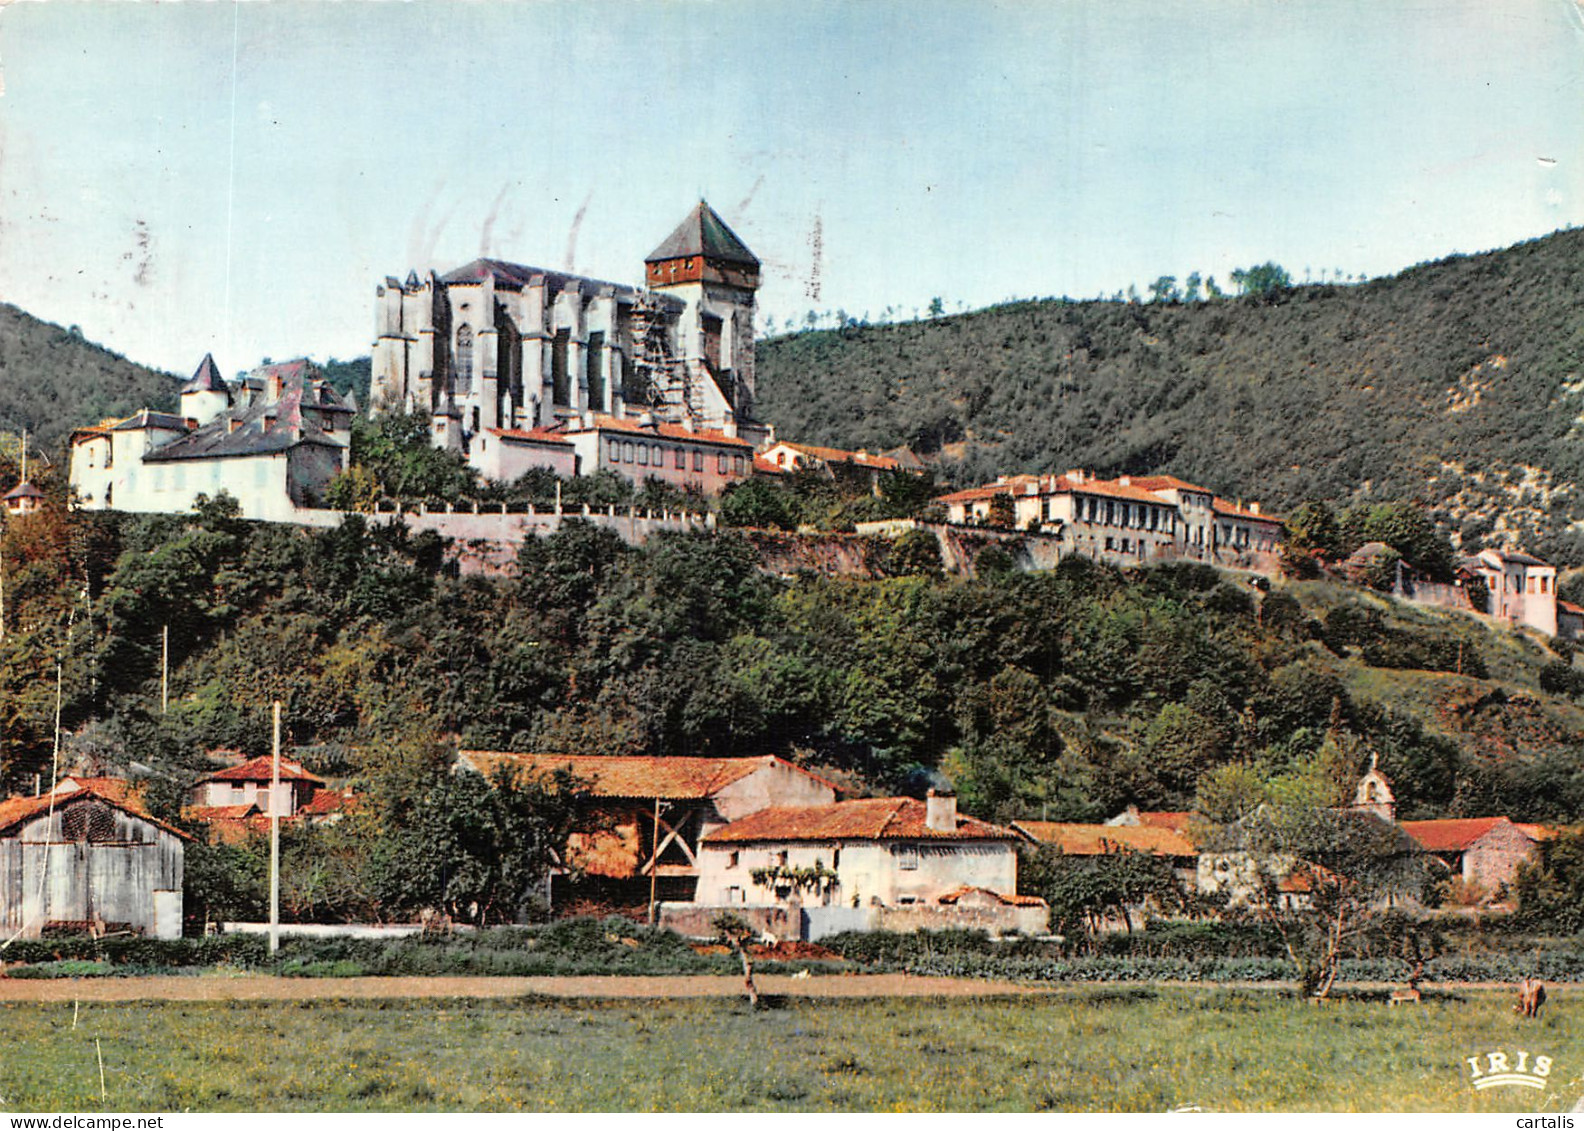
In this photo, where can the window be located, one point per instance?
(698, 460)
(464, 359)
(643, 454)
(731, 861)
(614, 451)
(594, 369)
(1543, 581)
(907, 857)
(720, 465)
(627, 454)
(681, 459)
(110, 454)
(781, 858)
(737, 465)
(1110, 542)
(560, 386)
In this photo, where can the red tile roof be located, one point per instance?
(876, 818)
(763, 466)
(661, 430)
(1167, 483)
(325, 802)
(207, 813)
(669, 779)
(1231, 510)
(260, 769)
(1167, 819)
(839, 455)
(540, 435)
(1010, 899)
(118, 789)
(1457, 833)
(1098, 840)
(1570, 607)
(17, 810)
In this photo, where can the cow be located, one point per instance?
(1531, 998)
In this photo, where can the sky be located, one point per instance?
(184, 178)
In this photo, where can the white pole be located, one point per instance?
(164, 669)
(274, 928)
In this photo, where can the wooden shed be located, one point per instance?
(87, 859)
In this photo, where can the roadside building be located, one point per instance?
(647, 816)
(87, 857)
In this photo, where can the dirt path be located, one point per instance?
(256, 988)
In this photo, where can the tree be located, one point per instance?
(915, 551)
(736, 933)
(757, 503)
(1321, 877)
(1085, 891)
(937, 308)
(1003, 512)
(1192, 286)
(1164, 289)
(1265, 280)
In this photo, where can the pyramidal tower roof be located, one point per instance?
(207, 379)
(704, 233)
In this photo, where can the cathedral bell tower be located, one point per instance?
(713, 273)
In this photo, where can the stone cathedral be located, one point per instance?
(495, 347)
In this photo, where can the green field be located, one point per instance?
(1088, 1049)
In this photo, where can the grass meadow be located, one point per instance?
(1081, 1049)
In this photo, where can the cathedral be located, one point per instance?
(514, 365)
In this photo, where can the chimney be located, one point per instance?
(940, 811)
(1125, 480)
(1253, 508)
(1075, 476)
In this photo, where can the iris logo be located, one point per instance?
(1496, 1070)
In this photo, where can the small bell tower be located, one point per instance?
(704, 264)
(1374, 793)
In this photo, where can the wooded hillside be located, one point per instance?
(1458, 383)
(53, 380)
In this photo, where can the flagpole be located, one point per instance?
(274, 928)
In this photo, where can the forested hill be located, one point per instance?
(52, 380)
(1459, 383)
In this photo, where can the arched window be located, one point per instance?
(464, 359)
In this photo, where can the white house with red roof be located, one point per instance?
(860, 467)
(896, 862)
(1129, 520)
(252, 784)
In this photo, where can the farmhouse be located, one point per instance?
(1102, 840)
(1484, 852)
(892, 862)
(648, 815)
(87, 856)
(1522, 587)
(858, 468)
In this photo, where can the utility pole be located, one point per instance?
(654, 859)
(274, 925)
(164, 669)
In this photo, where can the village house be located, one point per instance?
(500, 351)
(1484, 852)
(894, 863)
(1130, 520)
(1072, 839)
(1522, 587)
(88, 857)
(647, 815)
(852, 468)
(273, 440)
(237, 801)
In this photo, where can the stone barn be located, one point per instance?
(84, 860)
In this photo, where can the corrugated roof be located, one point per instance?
(1456, 833)
(703, 232)
(260, 769)
(879, 818)
(639, 776)
(1098, 840)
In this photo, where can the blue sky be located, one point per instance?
(184, 178)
